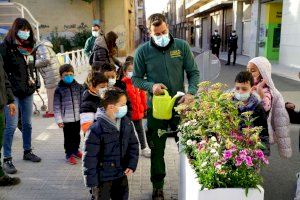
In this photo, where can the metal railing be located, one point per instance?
(76, 58)
(24, 13)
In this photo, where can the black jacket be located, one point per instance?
(6, 95)
(294, 116)
(108, 151)
(90, 102)
(232, 42)
(215, 41)
(18, 71)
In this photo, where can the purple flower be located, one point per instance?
(238, 161)
(265, 160)
(260, 154)
(243, 154)
(227, 154)
(249, 162)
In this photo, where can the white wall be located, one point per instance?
(290, 34)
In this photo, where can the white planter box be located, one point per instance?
(189, 187)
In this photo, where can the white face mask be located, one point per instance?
(101, 92)
(233, 34)
(129, 74)
(242, 97)
(95, 33)
(216, 33)
(112, 82)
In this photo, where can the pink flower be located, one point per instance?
(243, 154)
(239, 137)
(218, 165)
(259, 154)
(238, 161)
(200, 146)
(227, 154)
(249, 162)
(265, 160)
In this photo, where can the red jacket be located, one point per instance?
(138, 99)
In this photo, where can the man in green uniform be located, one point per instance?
(89, 44)
(160, 64)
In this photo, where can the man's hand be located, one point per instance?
(186, 99)
(128, 172)
(60, 125)
(12, 109)
(290, 105)
(158, 89)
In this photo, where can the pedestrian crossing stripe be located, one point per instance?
(175, 53)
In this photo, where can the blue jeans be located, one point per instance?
(11, 122)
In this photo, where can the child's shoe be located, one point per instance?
(71, 160)
(78, 155)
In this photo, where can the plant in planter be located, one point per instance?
(223, 154)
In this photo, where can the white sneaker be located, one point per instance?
(146, 152)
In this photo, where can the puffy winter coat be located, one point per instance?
(109, 149)
(47, 63)
(137, 98)
(67, 102)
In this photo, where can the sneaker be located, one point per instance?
(227, 64)
(158, 194)
(9, 167)
(146, 152)
(31, 157)
(78, 155)
(8, 181)
(71, 160)
(48, 115)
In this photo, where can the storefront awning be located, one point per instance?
(209, 7)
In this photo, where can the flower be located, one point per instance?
(213, 138)
(203, 164)
(249, 162)
(265, 160)
(189, 142)
(238, 161)
(260, 154)
(227, 154)
(218, 165)
(243, 154)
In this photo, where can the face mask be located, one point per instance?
(121, 112)
(68, 79)
(216, 33)
(23, 35)
(95, 33)
(242, 97)
(111, 82)
(162, 40)
(233, 34)
(101, 92)
(129, 74)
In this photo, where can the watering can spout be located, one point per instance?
(179, 94)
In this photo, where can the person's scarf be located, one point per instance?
(24, 48)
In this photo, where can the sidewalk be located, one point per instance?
(277, 69)
(54, 179)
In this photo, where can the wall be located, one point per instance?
(63, 14)
(290, 31)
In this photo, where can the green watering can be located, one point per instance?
(163, 105)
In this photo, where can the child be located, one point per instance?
(95, 68)
(92, 99)
(67, 101)
(138, 100)
(243, 86)
(109, 71)
(111, 150)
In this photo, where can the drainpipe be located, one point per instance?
(258, 29)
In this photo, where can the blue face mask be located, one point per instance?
(162, 40)
(242, 97)
(129, 74)
(69, 79)
(121, 112)
(23, 35)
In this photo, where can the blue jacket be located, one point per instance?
(109, 150)
(67, 102)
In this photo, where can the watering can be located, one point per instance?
(163, 105)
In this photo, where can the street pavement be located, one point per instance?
(53, 178)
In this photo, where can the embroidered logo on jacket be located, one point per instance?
(175, 53)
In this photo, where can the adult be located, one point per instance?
(273, 103)
(215, 43)
(48, 65)
(6, 99)
(232, 47)
(160, 64)
(89, 44)
(19, 65)
(106, 50)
